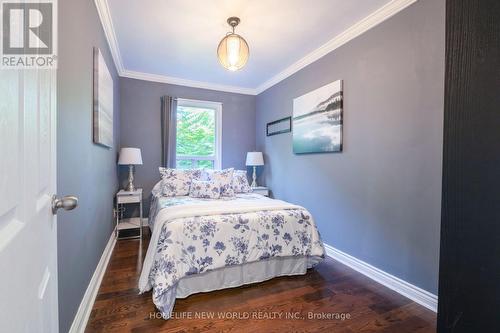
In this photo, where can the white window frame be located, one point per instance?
(217, 106)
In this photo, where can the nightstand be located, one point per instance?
(261, 190)
(122, 198)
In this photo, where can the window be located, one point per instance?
(199, 133)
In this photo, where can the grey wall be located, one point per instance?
(140, 125)
(379, 200)
(83, 168)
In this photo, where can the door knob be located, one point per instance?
(67, 203)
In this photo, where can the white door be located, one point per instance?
(28, 229)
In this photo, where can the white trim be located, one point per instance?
(198, 103)
(85, 308)
(370, 21)
(218, 142)
(187, 83)
(217, 106)
(402, 287)
(109, 31)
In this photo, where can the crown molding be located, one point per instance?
(109, 31)
(370, 21)
(188, 83)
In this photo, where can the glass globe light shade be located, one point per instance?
(233, 52)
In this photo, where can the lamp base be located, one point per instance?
(254, 178)
(130, 186)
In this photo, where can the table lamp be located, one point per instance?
(254, 159)
(130, 157)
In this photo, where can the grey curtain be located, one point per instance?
(168, 131)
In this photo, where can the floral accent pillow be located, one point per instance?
(224, 178)
(240, 182)
(176, 182)
(205, 189)
(197, 174)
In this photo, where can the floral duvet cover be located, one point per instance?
(194, 236)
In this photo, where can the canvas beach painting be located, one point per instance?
(317, 120)
(103, 102)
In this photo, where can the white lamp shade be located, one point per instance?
(130, 156)
(254, 158)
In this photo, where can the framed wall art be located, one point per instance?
(102, 102)
(318, 120)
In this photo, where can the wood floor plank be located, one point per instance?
(329, 289)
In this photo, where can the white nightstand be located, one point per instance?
(122, 198)
(261, 190)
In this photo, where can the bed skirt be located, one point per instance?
(234, 276)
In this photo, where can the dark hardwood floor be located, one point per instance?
(330, 288)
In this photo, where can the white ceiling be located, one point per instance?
(176, 40)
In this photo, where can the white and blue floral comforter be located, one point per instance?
(194, 236)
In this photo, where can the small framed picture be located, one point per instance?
(279, 126)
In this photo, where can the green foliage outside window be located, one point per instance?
(184, 164)
(195, 136)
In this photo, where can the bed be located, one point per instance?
(199, 245)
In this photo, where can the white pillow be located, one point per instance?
(224, 178)
(240, 182)
(157, 189)
(206, 189)
(176, 182)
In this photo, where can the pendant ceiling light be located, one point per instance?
(233, 49)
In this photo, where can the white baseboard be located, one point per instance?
(402, 287)
(83, 313)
